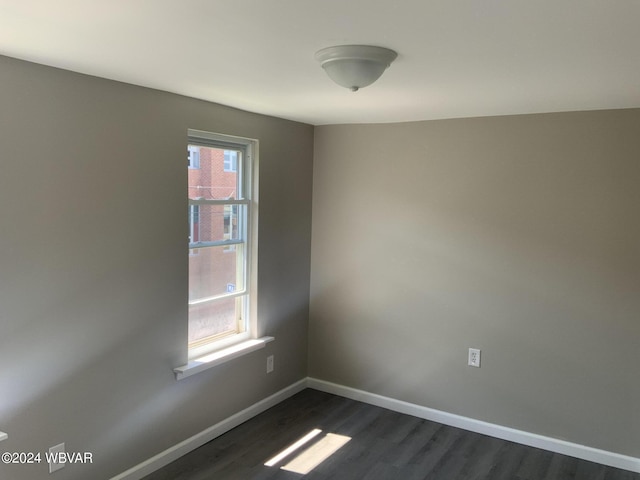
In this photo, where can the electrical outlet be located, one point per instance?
(56, 460)
(474, 357)
(270, 364)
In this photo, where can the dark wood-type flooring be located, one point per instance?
(384, 445)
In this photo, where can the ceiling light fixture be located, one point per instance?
(355, 66)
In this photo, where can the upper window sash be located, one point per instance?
(241, 145)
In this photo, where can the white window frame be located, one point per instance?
(247, 168)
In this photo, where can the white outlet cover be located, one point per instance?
(474, 357)
(270, 364)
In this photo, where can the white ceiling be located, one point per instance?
(457, 58)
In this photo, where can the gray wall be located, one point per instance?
(93, 268)
(516, 235)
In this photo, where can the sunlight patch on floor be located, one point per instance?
(316, 454)
(293, 447)
(312, 456)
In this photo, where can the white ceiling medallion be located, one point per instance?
(355, 66)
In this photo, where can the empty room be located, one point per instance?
(281, 239)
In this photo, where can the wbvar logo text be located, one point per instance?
(69, 457)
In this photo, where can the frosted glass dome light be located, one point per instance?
(355, 66)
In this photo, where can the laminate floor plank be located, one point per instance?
(562, 468)
(456, 456)
(430, 455)
(382, 445)
(482, 459)
(616, 474)
(509, 460)
(415, 442)
(535, 464)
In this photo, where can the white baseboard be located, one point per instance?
(525, 438)
(173, 453)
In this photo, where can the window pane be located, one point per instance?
(214, 223)
(215, 271)
(211, 180)
(214, 319)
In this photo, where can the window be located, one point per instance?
(193, 157)
(230, 161)
(220, 218)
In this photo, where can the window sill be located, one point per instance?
(221, 356)
(3, 436)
